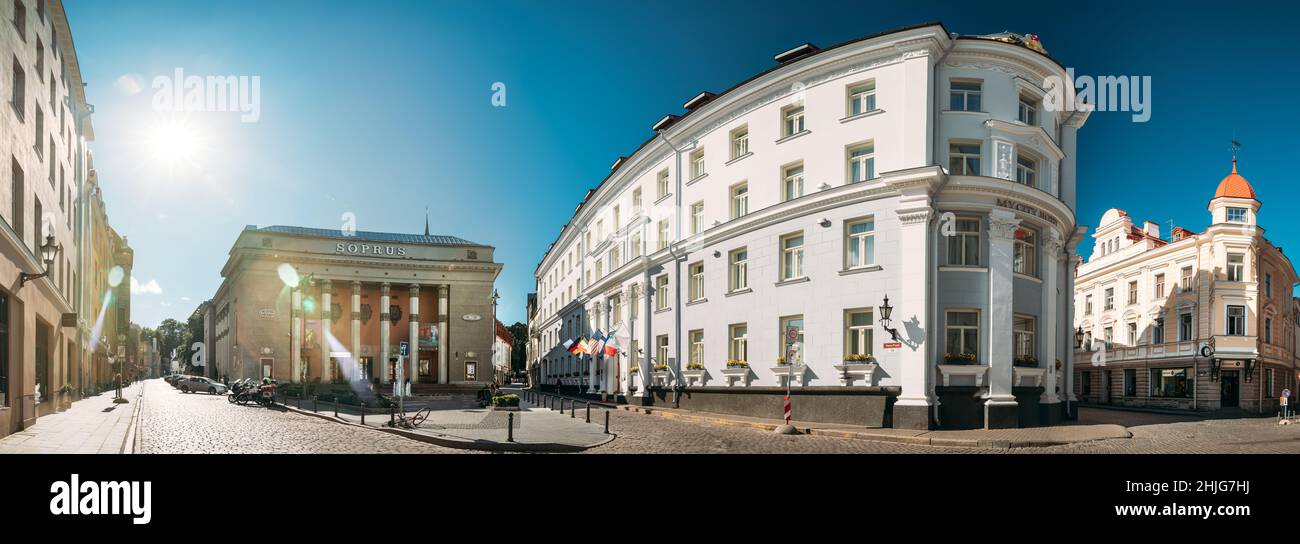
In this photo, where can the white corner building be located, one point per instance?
(775, 218)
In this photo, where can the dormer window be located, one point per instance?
(1237, 215)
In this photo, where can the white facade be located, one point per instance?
(867, 222)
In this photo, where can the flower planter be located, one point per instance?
(978, 372)
(1027, 377)
(783, 372)
(693, 377)
(850, 371)
(662, 377)
(736, 374)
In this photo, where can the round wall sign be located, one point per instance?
(471, 317)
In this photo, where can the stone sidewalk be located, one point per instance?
(536, 429)
(91, 425)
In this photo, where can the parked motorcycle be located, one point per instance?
(237, 388)
(266, 394)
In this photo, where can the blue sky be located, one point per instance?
(384, 108)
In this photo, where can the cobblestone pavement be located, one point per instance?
(175, 422)
(1187, 434)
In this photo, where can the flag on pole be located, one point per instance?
(567, 344)
(579, 346)
(597, 343)
(611, 348)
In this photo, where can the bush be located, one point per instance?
(695, 366)
(506, 400)
(737, 363)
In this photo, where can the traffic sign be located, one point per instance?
(405, 349)
(792, 333)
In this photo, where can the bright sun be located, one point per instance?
(173, 143)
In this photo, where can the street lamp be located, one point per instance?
(49, 250)
(885, 311)
(1078, 337)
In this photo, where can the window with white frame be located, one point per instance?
(739, 345)
(1236, 323)
(697, 346)
(661, 184)
(1087, 304)
(739, 269)
(661, 292)
(1184, 327)
(1160, 286)
(663, 233)
(1158, 331)
(1024, 261)
(860, 243)
(661, 349)
(616, 309)
(740, 142)
(696, 283)
(697, 163)
(793, 181)
(1133, 292)
(964, 158)
(1236, 267)
(792, 120)
(636, 200)
(1028, 113)
(634, 306)
(1110, 298)
(1108, 334)
(965, 95)
(1022, 337)
(792, 256)
(964, 244)
(1027, 169)
(962, 332)
(1237, 215)
(697, 217)
(862, 98)
(862, 162)
(739, 199)
(1133, 339)
(858, 332)
(1186, 279)
(636, 245)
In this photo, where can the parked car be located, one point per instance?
(174, 379)
(193, 384)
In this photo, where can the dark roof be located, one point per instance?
(392, 237)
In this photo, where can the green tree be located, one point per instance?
(519, 347)
(171, 336)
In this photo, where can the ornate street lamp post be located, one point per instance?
(49, 250)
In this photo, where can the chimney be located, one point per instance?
(1152, 229)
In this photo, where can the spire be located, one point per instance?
(426, 214)
(1235, 147)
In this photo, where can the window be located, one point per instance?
(964, 244)
(739, 199)
(1087, 304)
(1268, 330)
(1236, 267)
(661, 292)
(1158, 331)
(1133, 292)
(862, 163)
(1184, 327)
(18, 97)
(696, 282)
(697, 217)
(739, 275)
(618, 218)
(636, 245)
(661, 182)
(1268, 285)
(860, 243)
(1236, 325)
(636, 200)
(697, 346)
(4, 350)
(1160, 286)
(1237, 215)
(1024, 260)
(964, 95)
(38, 224)
(1133, 339)
(697, 163)
(793, 176)
(661, 349)
(740, 142)
(962, 332)
(1085, 383)
(1110, 298)
(1022, 338)
(795, 322)
(20, 19)
(793, 120)
(858, 332)
(739, 345)
(1028, 113)
(1186, 280)
(19, 194)
(862, 98)
(1130, 382)
(633, 305)
(1109, 336)
(1169, 383)
(40, 60)
(1026, 169)
(792, 256)
(40, 132)
(663, 233)
(964, 159)
(600, 231)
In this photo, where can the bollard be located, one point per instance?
(363, 413)
(606, 421)
(299, 402)
(573, 407)
(510, 426)
(315, 405)
(588, 412)
(336, 407)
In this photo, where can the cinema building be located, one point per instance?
(1199, 321)
(886, 223)
(316, 305)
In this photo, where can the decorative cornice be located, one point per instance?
(1003, 227)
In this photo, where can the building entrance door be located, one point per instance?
(1229, 389)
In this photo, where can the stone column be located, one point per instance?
(596, 313)
(1050, 326)
(295, 336)
(443, 345)
(355, 348)
(1000, 409)
(647, 334)
(414, 333)
(1067, 385)
(326, 302)
(912, 410)
(385, 324)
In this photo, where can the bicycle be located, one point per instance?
(412, 421)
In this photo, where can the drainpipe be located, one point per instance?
(677, 271)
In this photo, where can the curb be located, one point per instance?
(912, 440)
(131, 444)
(464, 444)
